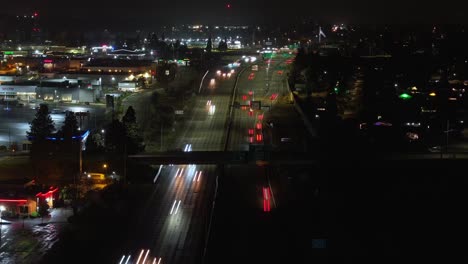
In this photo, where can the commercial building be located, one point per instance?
(66, 90)
(18, 92)
(118, 66)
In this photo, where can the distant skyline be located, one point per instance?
(89, 14)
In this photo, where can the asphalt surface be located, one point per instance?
(242, 229)
(26, 241)
(175, 218)
(15, 121)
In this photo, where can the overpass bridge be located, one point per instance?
(225, 157)
(264, 157)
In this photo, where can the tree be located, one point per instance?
(41, 126)
(209, 45)
(129, 117)
(134, 140)
(115, 136)
(70, 126)
(222, 45)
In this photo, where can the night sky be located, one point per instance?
(144, 13)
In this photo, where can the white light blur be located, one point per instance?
(128, 259)
(146, 255)
(177, 209)
(139, 257)
(212, 109)
(122, 260)
(181, 172)
(199, 176)
(77, 109)
(173, 205)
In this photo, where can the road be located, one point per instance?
(26, 242)
(175, 217)
(247, 222)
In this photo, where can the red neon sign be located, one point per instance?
(13, 200)
(47, 194)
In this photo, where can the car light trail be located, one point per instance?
(139, 257)
(177, 172)
(173, 205)
(128, 259)
(177, 209)
(122, 260)
(212, 109)
(156, 261)
(188, 148)
(259, 137)
(197, 176)
(266, 199)
(146, 255)
(157, 174)
(181, 172)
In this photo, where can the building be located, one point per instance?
(25, 91)
(119, 66)
(18, 198)
(66, 90)
(127, 54)
(28, 29)
(129, 86)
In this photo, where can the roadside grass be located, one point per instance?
(15, 167)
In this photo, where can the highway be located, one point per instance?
(175, 217)
(245, 224)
